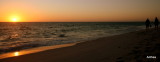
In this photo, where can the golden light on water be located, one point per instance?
(16, 54)
(33, 50)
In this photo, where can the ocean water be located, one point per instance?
(18, 36)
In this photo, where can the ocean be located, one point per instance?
(25, 35)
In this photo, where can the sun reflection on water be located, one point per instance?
(16, 54)
(33, 50)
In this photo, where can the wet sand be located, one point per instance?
(128, 47)
(34, 50)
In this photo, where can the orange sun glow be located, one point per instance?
(14, 19)
(16, 54)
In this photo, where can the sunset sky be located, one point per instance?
(78, 10)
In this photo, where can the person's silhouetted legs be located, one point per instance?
(147, 23)
(156, 23)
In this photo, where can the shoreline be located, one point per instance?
(45, 48)
(34, 50)
(112, 48)
(22, 42)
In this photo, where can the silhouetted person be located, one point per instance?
(156, 23)
(148, 24)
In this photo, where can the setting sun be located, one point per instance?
(14, 20)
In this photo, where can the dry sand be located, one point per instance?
(129, 47)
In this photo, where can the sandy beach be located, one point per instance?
(128, 47)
